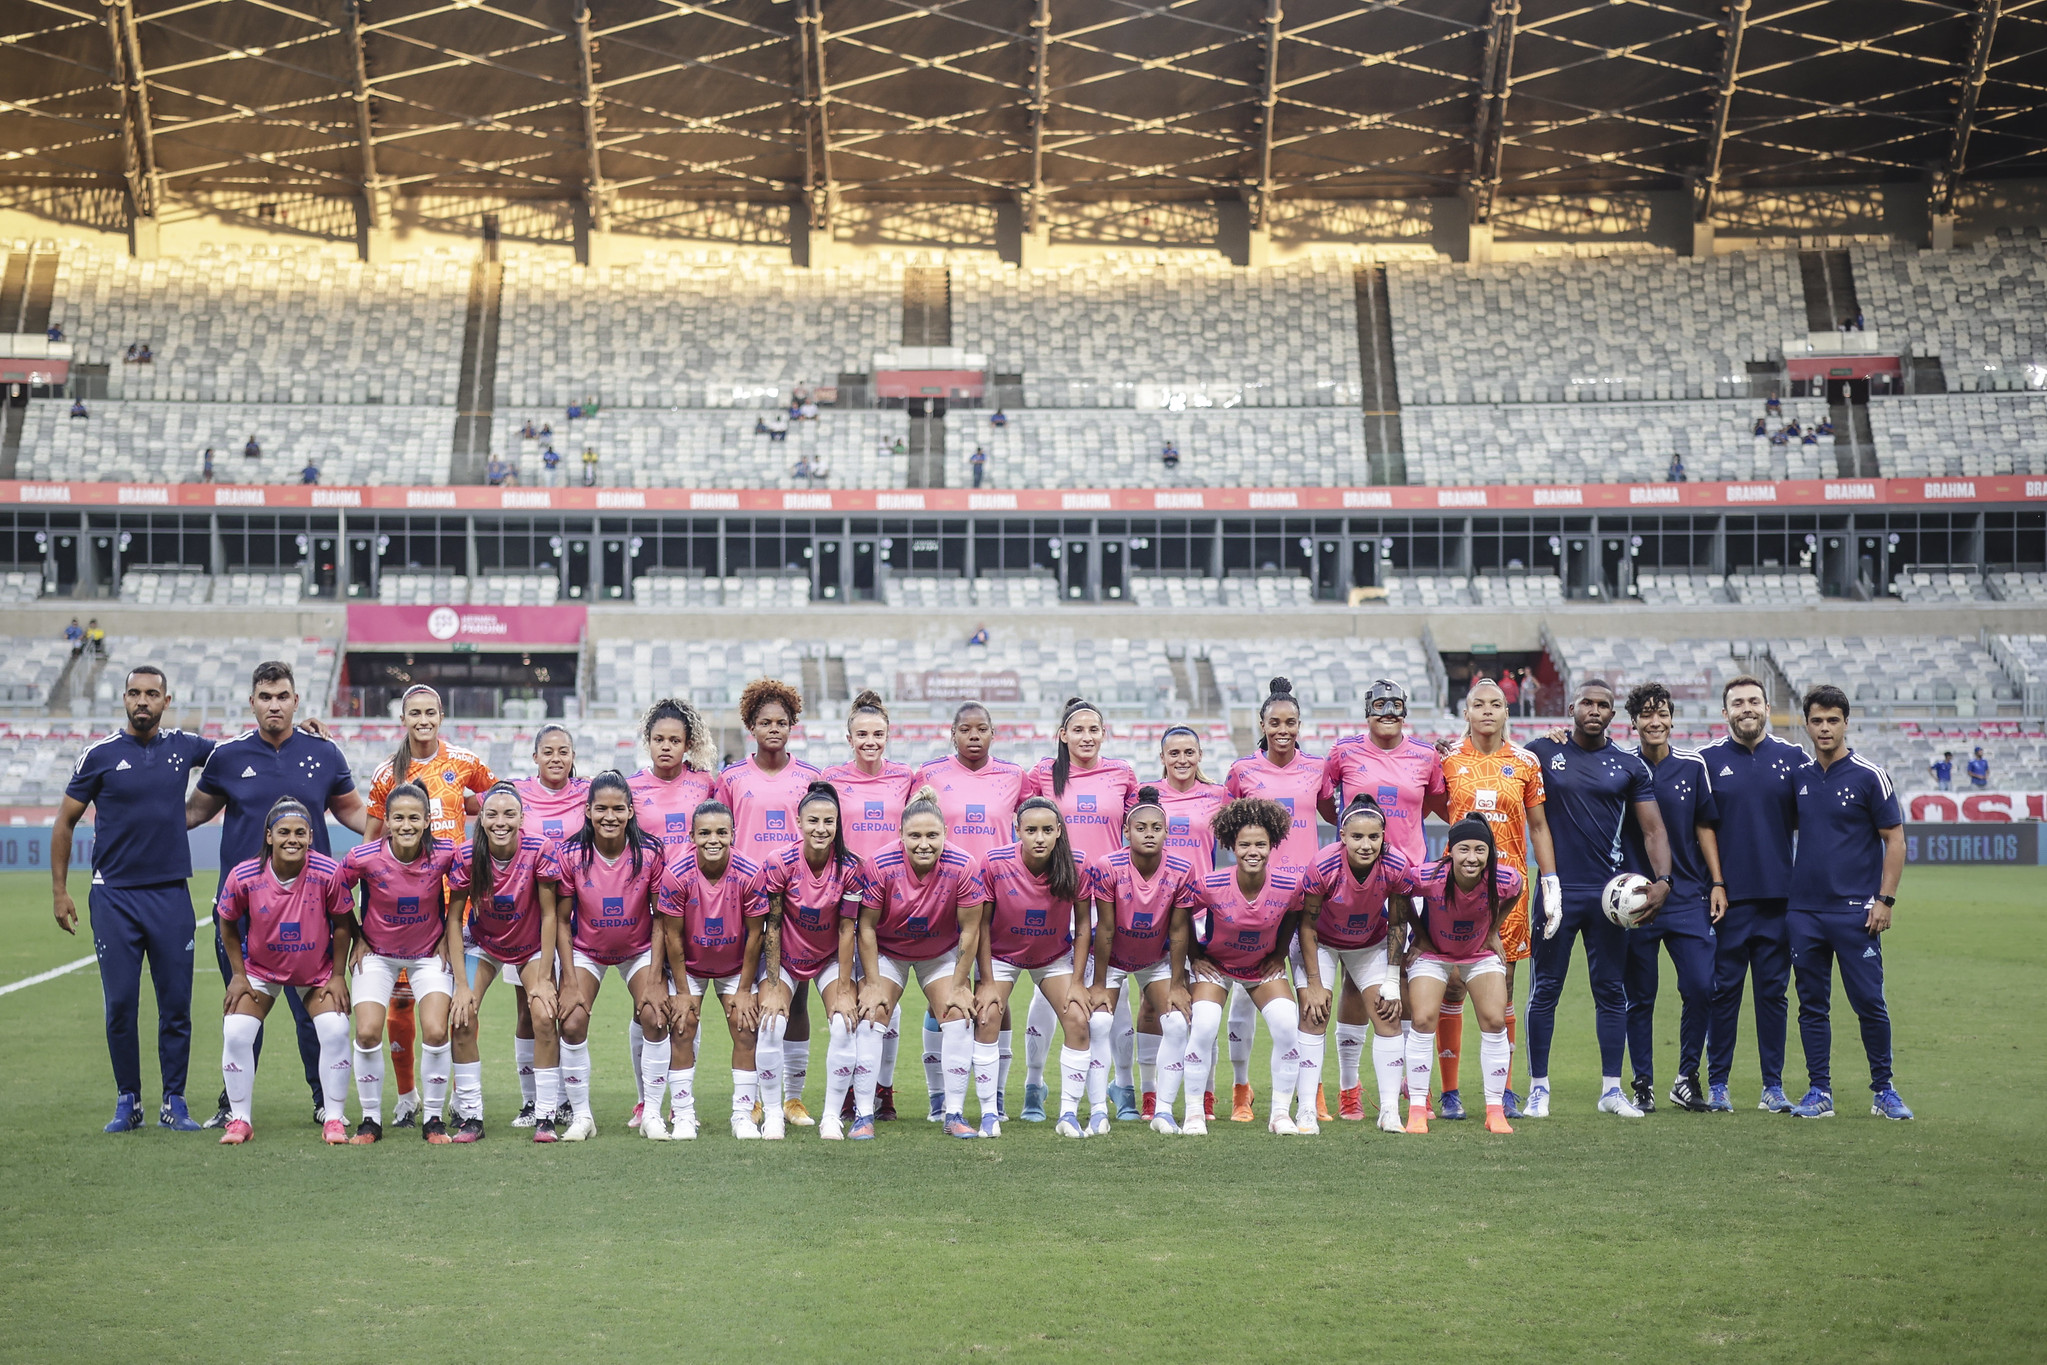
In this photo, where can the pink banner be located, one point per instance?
(373, 624)
(1979, 807)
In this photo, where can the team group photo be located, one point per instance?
(917, 680)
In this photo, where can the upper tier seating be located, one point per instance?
(1957, 676)
(1607, 443)
(713, 448)
(1961, 434)
(268, 325)
(164, 442)
(714, 329)
(1219, 448)
(1088, 334)
(1620, 327)
(1982, 309)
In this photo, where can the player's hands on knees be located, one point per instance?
(1315, 1006)
(774, 998)
(237, 987)
(742, 1007)
(873, 1003)
(1180, 1001)
(462, 1012)
(540, 1000)
(1385, 1009)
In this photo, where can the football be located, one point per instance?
(1625, 899)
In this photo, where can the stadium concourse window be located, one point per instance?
(265, 544)
(2015, 540)
(45, 542)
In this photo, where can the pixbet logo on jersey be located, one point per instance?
(1180, 826)
(714, 926)
(917, 924)
(505, 906)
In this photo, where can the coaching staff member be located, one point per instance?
(245, 777)
(140, 900)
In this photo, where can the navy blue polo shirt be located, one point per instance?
(1757, 792)
(1587, 796)
(1840, 809)
(251, 776)
(137, 792)
(1979, 772)
(1684, 794)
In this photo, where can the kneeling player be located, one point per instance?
(288, 925)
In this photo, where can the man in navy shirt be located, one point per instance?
(1684, 926)
(245, 777)
(141, 906)
(1851, 853)
(1592, 786)
(1755, 786)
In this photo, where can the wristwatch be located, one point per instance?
(1668, 879)
(1887, 900)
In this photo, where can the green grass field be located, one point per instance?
(1679, 1237)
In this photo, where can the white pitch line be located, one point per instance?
(51, 975)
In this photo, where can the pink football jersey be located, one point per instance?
(1353, 910)
(613, 919)
(979, 804)
(403, 914)
(1093, 803)
(713, 913)
(664, 809)
(1458, 923)
(1243, 933)
(1406, 781)
(507, 926)
(1028, 926)
(1144, 907)
(920, 916)
(813, 904)
(764, 805)
(871, 804)
(287, 937)
(1296, 787)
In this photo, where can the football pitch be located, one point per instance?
(1678, 1237)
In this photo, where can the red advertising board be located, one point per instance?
(1975, 807)
(1590, 497)
(480, 627)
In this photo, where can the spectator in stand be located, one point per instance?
(1773, 406)
(1858, 319)
(527, 431)
(589, 467)
(978, 462)
(78, 408)
(979, 637)
(999, 420)
(494, 472)
(1826, 426)
(589, 408)
(1780, 437)
(1943, 770)
(56, 332)
(808, 412)
(778, 430)
(75, 633)
(575, 412)
(133, 354)
(310, 474)
(1676, 472)
(1528, 691)
(1170, 456)
(551, 467)
(145, 355)
(252, 451)
(206, 466)
(546, 432)
(802, 470)
(1979, 770)
(1811, 437)
(820, 471)
(1510, 689)
(899, 448)
(1791, 429)
(96, 644)
(1762, 427)
(795, 410)
(760, 426)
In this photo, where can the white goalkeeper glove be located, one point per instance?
(1552, 905)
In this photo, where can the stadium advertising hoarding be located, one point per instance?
(1839, 493)
(2009, 845)
(1968, 807)
(959, 684)
(478, 627)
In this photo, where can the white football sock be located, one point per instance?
(1100, 1050)
(1039, 1025)
(469, 1091)
(867, 1043)
(1147, 1062)
(795, 1067)
(238, 1061)
(369, 1081)
(682, 1091)
(1389, 1068)
(636, 1038)
(934, 1057)
(986, 1082)
(1313, 1048)
(1004, 1059)
(838, 1066)
(767, 1067)
(547, 1091)
(334, 1064)
(576, 1076)
(745, 1091)
(1123, 1040)
(655, 1055)
(1496, 1055)
(1607, 1083)
(1350, 1050)
(1172, 1052)
(1201, 1040)
(1283, 1017)
(956, 1051)
(522, 1053)
(436, 1069)
(891, 1039)
(1421, 1064)
(1073, 1072)
(1243, 1030)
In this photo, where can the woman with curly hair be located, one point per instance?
(764, 789)
(1253, 910)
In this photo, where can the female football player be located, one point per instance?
(921, 909)
(496, 875)
(813, 895)
(405, 928)
(711, 928)
(553, 801)
(288, 925)
(597, 886)
(1190, 801)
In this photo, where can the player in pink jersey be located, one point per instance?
(405, 928)
(763, 790)
(813, 895)
(977, 795)
(1038, 926)
(1093, 794)
(1402, 774)
(1351, 893)
(666, 793)
(922, 907)
(1143, 898)
(1464, 898)
(597, 885)
(1280, 771)
(288, 925)
(872, 793)
(495, 880)
(1253, 909)
(711, 912)
(552, 801)
(1190, 801)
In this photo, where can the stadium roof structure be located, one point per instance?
(1027, 101)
